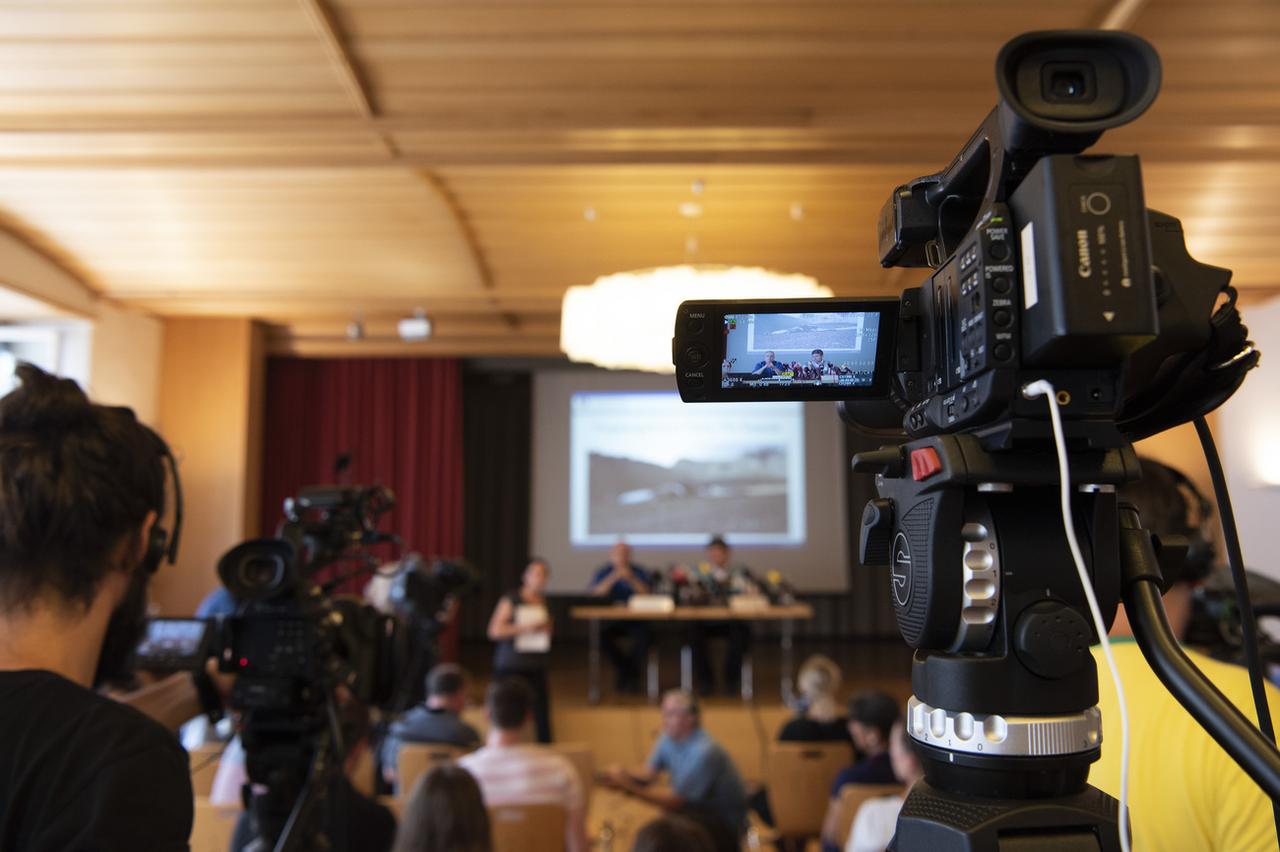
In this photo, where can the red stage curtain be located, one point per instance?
(401, 421)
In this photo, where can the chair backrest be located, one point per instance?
(527, 828)
(800, 776)
(584, 763)
(213, 827)
(851, 798)
(415, 759)
(203, 762)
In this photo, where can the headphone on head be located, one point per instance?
(1197, 511)
(162, 545)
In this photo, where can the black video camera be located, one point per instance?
(302, 653)
(1047, 268)
(1047, 264)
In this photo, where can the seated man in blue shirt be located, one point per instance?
(872, 715)
(617, 581)
(436, 721)
(767, 368)
(704, 783)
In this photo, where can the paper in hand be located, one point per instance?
(539, 641)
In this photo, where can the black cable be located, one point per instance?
(1248, 624)
(1218, 716)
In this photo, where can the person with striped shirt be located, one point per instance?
(513, 772)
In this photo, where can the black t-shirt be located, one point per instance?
(82, 772)
(802, 729)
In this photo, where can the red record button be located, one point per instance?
(925, 463)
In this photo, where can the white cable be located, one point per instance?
(1031, 391)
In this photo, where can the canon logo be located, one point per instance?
(1082, 251)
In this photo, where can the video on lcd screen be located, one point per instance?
(836, 349)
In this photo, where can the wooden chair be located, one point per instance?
(203, 762)
(415, 759)
(527, 828)
(584, 763)
(213, 827)
(800, 776)
(851, 798)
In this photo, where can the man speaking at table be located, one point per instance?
(618, 580)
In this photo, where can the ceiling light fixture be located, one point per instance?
(624, 321)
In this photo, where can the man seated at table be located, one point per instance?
(768, 368)
(726, 578)
(618, 580)
(512, 772)
(438, 720)
(872, 715)
(704, 783)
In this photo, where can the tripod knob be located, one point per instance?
(876, 534)
(1052, 639)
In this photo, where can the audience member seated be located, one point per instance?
(704, 783)
(436, 721)
(819, 719)
(618, 580)
(872, 715)
(445, 813)
(511, 772)
(672, 833)
(82, 487)
(877, 819)
(370, 827)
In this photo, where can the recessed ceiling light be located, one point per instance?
(690, 209)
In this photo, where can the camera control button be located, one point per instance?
(1002, 317)
(999, 250)
(695, 356)
(1002, 351)
(694, 382)
(1000, 284)
(696, 326)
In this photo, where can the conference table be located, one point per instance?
(786, 615)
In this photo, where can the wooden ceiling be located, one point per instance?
(311, 161)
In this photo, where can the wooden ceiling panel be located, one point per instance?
(307, 161)
(144, 58)
(292, 234)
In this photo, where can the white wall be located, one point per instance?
(125, 357)
(1248, 437)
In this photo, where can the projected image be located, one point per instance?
(658, 472)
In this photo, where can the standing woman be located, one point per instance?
(522, 628)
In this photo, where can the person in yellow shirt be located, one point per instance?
(1185, 792)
